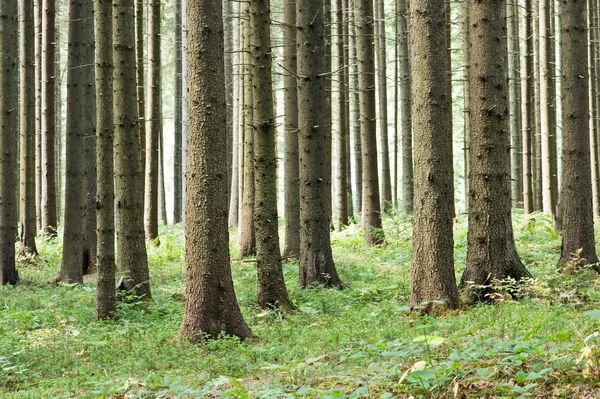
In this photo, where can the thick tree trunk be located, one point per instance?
(211, 305)
(316, 260)
(371, 212)
(291, 247)
(105, 290)
(49, 213)
(131, 248)
(576, 195)
(432, 272)
(406, 106)
(9, 124)
(184, 108)
(491, 251)
(27, 120)
(81, 116)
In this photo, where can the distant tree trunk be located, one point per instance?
(432, 276)
(49, 212)
(291, 247)
(491, 251)
(27, 120)
(131, 248)
(162, 194)
(229, 82)
(58, 136)
(347, 122)
(9, 125)
(342, 117)
(386, 178)
(448, 50)
(81, 116)
(355, 114)
(234, 190)
(316, 260)
(527, 106)
(536, 151)
(371, 217)
(246, 233)
(105, 291)
(38, 113)
(464, 13)
(327, 38)
(396, 178)
(154, 115)
(211, 304)
(576, 194)
(177, 154)
(516, 142)
(406, 105)
(141, 86)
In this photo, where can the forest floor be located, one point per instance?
(360, 342)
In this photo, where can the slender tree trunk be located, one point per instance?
(371, 216)
(347, 121)
(153, 113)
(536, 152)
(211, 304)
(396, 179)
(343, 133)
(9, 124)
(177, 178)
(491, 251)
(27, 120)
(327, 39)
(386, 179)
(81, 116)
(316, 259)
(406, 106)
(131, 248)
(140, 68)
(516, 142)
(49, 212)
(38, 113)
(58, 111)
(594, 113)
(162, 194)
(527, 106)
(355, 114)
(105, 291)
(291, 247)
(229, 81)
(432, 272)
(466, 53)
(184, 109)
(576, 195)
(234, 190)
(448, 50)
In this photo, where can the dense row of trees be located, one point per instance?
(530, 80)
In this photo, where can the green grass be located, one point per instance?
(358, 342)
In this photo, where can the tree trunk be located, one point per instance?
(49, 213)
(38, 113)
(316, 259)
(184, 108)
(342, 117)
(464, 13)
(347, 122)
(536, 152)
(271, 284)
(291, 247)
(140, 68)
(576, 195)
(211, 305)
(386, 179)
(491, 251)
(177, 177)
(162, 194)
(131, 248)
(153, 113)
(105, 291)
(80, 130)
(527, 106)
(229, 83)
(27, 120)
(406, 106)
(594, 112)
(234, 190)
(9, 125)
(355, 114)
(371, 212)
(432, 272)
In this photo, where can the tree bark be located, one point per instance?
(491, 251)
(527, 106)
(316, 260)
(432, 272)
(355, 113)
(140, 5)
(38, 113)
(516, 140)
(177, 177)
(576, 194)
(465, 28)
(406, 106)
(211, 305)
(234, 190)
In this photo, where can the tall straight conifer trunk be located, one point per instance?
(491, 251)
(177, 167)
(406, 106)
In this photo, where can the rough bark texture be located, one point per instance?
(291, 247)
(38, 112)
(49, 213)
(184, 108)
(153, 112)
(355, 112)
(105, 289)
(432, 272)
(371, 216)
(464, 13)
(9, 125)
(140, 5)
(527, 106)
(228, 29)
(271, 290)
(81, 116)
(27, 120)
(177, 177)
(576, 193)
(343, 132)
(211, 305)
(386, 178)
(131, 248)
(234, 190)
(491, 251)
(450, 136)
(347, 123)
(405, 108)
(316, 259)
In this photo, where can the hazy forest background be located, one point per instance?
(305, 198)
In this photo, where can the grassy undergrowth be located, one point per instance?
(361, 342)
